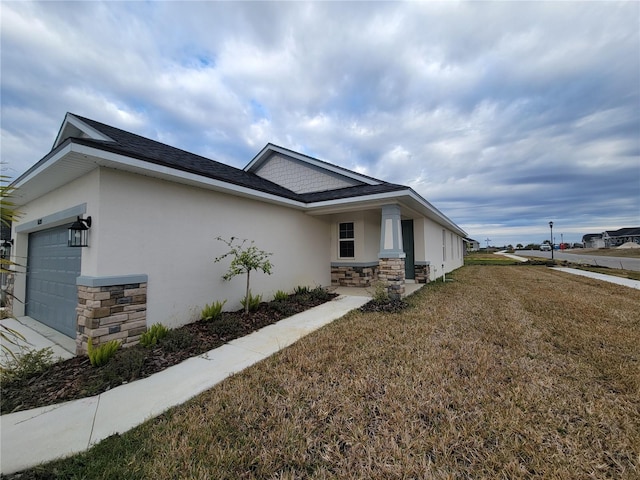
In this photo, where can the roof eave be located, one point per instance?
(407, 197)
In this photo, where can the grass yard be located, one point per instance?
(509, 372)
(479, 258)
(609, 252)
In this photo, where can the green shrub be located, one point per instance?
(379, 292)
(251, 302)
(301, 290)
(177, 339)
(25, 365)
(280, 296)
(226, 327)
(100, 355)
(124, 367)
(213, 311)
(151, 337)
(283, 308)
(320, 293)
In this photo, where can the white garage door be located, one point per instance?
(52, 269)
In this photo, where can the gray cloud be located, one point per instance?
(505, 116)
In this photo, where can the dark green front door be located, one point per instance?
(407, 246)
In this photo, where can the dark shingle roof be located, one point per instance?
(347, 192)
(624, 232)
(158, 153)
(142, 148)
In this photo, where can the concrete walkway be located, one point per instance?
(513, 257)
(43, 434)
(583, 273)
(627, 282)
(36, 336)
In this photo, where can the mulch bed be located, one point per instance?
(76, 378)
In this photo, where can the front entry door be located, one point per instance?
(407, 246)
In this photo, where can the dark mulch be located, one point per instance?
(387, 306)
(76, 378)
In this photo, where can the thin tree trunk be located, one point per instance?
(246, 296)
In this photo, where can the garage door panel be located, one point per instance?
(52, 269)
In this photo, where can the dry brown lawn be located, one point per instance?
(506, 372)
(608, 252)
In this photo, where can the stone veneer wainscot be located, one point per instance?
(353, 275)
(111, 308)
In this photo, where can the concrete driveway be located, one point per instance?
(596, 260)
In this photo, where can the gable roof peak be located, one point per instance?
(75, 126)
(265, 154)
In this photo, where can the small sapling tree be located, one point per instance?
(245, 259)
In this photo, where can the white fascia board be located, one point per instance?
(390, 197)
(424, 207)
(444, 219)
(80, 125)
(46, 163)
(162, 171)
(270, 148)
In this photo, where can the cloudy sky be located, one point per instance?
(503, 115)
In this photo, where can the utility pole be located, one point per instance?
(488, 240)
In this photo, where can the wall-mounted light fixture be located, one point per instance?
(78, 232)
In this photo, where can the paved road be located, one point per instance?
(611, 262)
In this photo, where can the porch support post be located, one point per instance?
(391, 255)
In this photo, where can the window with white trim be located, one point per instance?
(444, 246)
(346, 240)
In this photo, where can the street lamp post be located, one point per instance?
(551, 227)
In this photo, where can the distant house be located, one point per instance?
(615, 238)
(152, 213)
(472, 245)
(593, 240)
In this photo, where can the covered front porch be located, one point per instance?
(379, 243)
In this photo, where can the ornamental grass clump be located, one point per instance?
(151, 337)
(280, 296)
(99, 356)
(251, 302)
(213, 311)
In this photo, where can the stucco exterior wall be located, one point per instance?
(451, 257)
(367, 235)
(168, 232)
(420, 245)
(84, 190)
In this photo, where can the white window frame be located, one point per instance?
(351, 239)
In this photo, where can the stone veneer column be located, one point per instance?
(422, 272)
(111, 308)
(391, 255)
(392, 273)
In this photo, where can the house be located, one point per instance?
(472, 245)
(593, 240)
(615, 238)
(152, 213)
